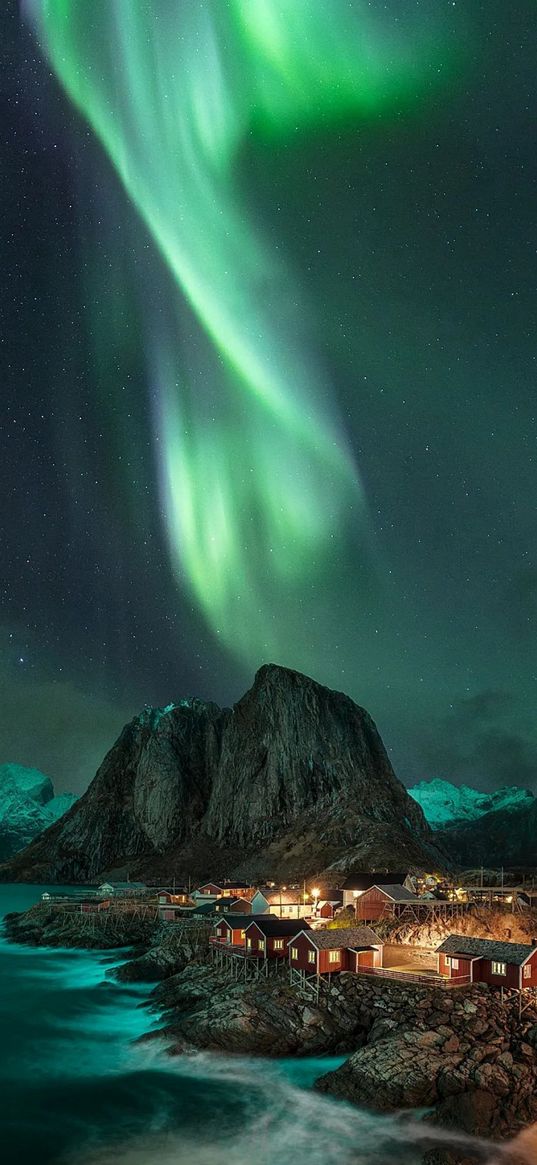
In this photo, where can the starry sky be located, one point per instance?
(268, 369)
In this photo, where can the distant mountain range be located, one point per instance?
(292, 780)
(492, 829)
(27, 807)
(446, 805)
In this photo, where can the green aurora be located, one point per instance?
(260, 490)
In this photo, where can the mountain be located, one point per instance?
(291, 779)
(446, 805)
(27, 807)
(507, 837)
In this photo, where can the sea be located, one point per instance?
(77, 1089)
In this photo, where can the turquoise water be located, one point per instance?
(74, 1090)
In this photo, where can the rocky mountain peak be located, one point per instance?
(289, 779)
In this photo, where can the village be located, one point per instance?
(312, 933)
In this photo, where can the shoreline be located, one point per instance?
(461, 1055)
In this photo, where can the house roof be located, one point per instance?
(331, 894)
(243, 920)
(285, 897)
(227, 900)
(365, 880)
(203, 908)
(486, 948)
(235, 921)
(396, 893)
(344, 936)
(269, 925)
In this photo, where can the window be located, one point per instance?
(261, 944)
(294, 952)
(311, 956)
(454, 964)
(243, 933)
(333, 956)
(278, 944)
(527, 971)
(249, 943)
(499, 969)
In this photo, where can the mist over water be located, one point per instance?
(74, 1090)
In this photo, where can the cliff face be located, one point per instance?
(294, 777)
(292, 745)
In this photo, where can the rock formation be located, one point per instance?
(463, 1054)
(27, 807)
(293, 778)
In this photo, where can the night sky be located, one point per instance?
(268, 369)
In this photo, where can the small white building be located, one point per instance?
(122, 889)
(281, 903)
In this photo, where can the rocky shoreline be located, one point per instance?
(462, 1055)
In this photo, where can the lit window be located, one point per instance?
(333, 956)
(243, 933)
(261, 944)
(294, 952)
(249, 943)
(499, 969)
(311, 956)
(278, 944)
(527, 971)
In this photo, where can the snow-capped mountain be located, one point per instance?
(27, 807)
(446, 805)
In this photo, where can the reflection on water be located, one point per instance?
(74, 1090)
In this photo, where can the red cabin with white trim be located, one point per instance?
(227, 890)
(376, 902)
(500, 964)
(323, 952)
(230, 930)
(269, 937)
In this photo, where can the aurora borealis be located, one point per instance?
(259, 486)
(298, 233)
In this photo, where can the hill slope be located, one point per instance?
(292, 778)
(507, 837)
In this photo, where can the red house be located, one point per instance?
(483, 960)
(228, 890)
(172, 898)
(230, 929)
(232, 906)
(376, 902)
(326, 909)
(321, 952)
(269, 937)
